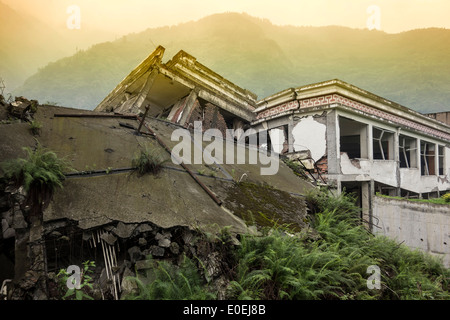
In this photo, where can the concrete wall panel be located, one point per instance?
(423, 226)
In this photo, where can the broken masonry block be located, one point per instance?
(145, 264)
(165, 243)
(19, 221)
(156, 251)
(135, 254)
(123, 230)
(174, 248)
(142, 242)
(128, 285)
(109, 238)
(144, 228)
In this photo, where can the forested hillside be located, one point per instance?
(410, 68)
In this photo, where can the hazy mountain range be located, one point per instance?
(411, 68)
(27, 43)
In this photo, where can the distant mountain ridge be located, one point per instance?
(27, 43)
(410, 68)
(24, 43)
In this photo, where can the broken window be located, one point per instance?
(427, 158)
(383, 142)
(353, 138)
(441, 160)
(407, 150)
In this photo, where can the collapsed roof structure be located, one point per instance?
(179, 91)
(107, 210)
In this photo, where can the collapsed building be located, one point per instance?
(358, 141)
(344, 137)
(107, 212)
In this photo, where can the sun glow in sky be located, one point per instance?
(125, 16)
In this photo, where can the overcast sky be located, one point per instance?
(124, 16)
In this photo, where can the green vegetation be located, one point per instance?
(265, 206)
(148, 161)
(40, 173)
(171, 282)
(445, 199)
(281, 265)
(296, 167)
(85, 285)
(35, 127)
(41, 169)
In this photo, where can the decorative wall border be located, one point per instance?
(391, 117)
(291, 105)
(336, 98)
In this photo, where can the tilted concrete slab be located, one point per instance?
(171, 198)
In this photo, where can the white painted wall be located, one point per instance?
(423, 226)
(310, 135)
(277, 137)
(383, 171)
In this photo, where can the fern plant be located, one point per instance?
(41, 168)
(35, 127)
(40, 173)
(172, 282)
(334, 266)
(148, 161)
(85, 286)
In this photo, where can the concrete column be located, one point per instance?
(436, 159)
(144, 91)
(188, 107)
(370, 141)
(366, 204)
(290, 135)
(371, 201)
(418, 156)
(333, 145)
(397, 160)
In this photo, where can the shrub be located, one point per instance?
(446, 197)
(35, 127)
(85, 285)
(296, 167)
(148, 161)
(172, 282)
(40, 169)
(282, 266)
(40, 173)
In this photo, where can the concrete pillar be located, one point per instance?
(366, 204)
(370, 141)
(397, 161)
(188, 107)
(371, 201)
(418, 156)
(333, 145)
(144, 91)
(364, 141)
(290, 135)
(436, 159)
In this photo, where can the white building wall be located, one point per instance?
(423, 226)
(310, 134)
(277, 138)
